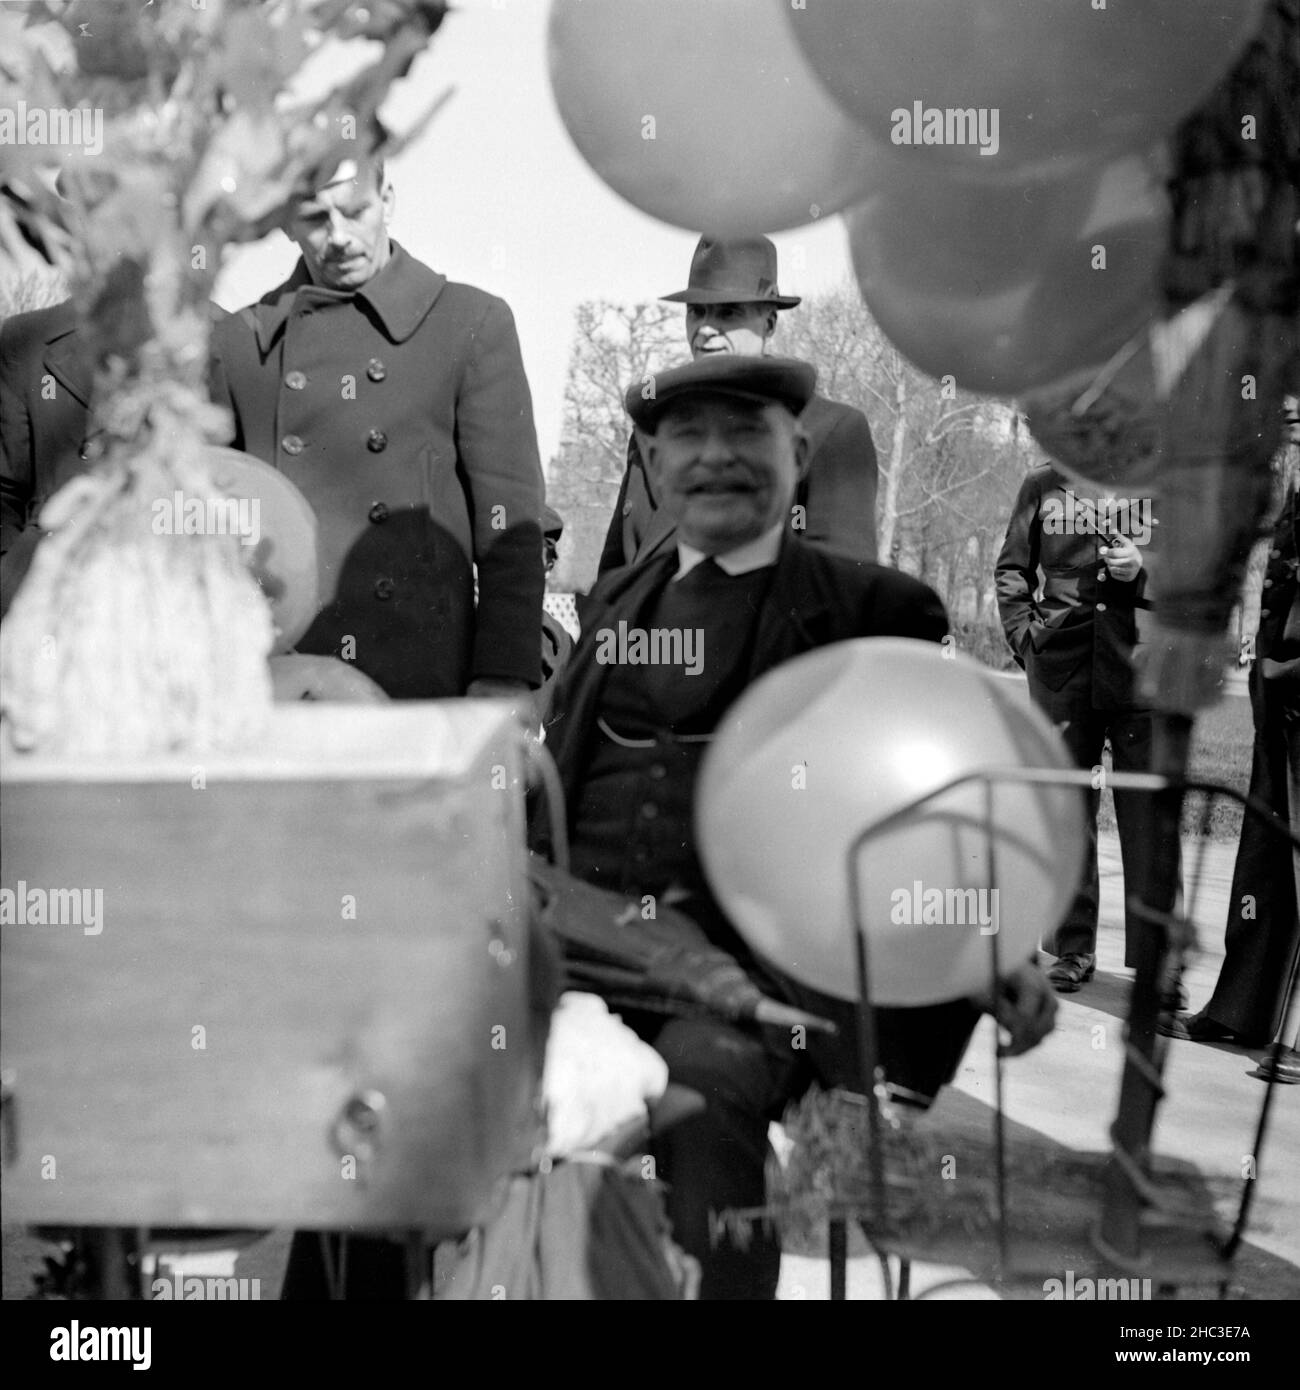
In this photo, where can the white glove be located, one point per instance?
(598, 1075)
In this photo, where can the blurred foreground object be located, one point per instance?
(835, 743)
(705, 116)
(318, 969)
(186, 129)
(1065, 79)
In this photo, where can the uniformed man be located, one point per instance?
(732, 302)
(396, 400)
(1071, 582)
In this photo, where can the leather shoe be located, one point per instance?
(1200, 1028)
(1285, 1068)
(1071, 970)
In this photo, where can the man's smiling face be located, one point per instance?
(725, 467)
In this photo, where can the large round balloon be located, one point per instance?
(1010, 285)
(847, 738)
(1059, 76)
(282, 556)
(704, 115)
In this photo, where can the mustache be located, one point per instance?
(730, 476)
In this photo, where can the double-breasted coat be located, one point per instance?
(403, 414)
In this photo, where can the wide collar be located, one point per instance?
(400, 297)
(64, 356)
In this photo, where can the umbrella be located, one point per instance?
(665, 965)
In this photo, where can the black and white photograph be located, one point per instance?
(649, 650)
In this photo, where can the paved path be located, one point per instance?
(1067, 1089)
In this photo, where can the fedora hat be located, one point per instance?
(741, 270)
(781, 380)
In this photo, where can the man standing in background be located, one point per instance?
(1070, 581)
(396, 400)
(731, 303)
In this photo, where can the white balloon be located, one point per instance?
(837, 742)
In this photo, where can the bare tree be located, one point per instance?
(950, 461)
(613, 345)
(942, 451)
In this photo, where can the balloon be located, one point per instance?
(282, 557)
(1012, 285)
(1102, 424)
(1062, 76)
(838, 740)
(704, 115)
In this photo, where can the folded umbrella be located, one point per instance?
(665, 964)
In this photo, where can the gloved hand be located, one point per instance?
(598, 1075)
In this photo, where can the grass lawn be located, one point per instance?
(1221, 747)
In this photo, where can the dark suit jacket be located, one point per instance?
(1278, 637)
(44, 394)
(838, 493)
(404, 415)
(1081, 632)
(816, 598)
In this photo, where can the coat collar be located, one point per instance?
(64, 355)
(400, 296)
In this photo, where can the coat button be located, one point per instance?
(378, 512)
(384, 589)
(1263, 612)
(376, 441)
(627, 509)
(376, 371)
(658, 772)
(291, 444)
(295, 381)
(1268, 583)
(1101, 608)
(1274, 554)
(649, 811)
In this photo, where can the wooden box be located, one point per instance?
(305, 997)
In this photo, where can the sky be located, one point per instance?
(495, 194)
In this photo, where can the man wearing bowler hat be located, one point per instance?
(732, 302)
(724, 452)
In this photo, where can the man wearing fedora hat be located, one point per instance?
(732, 302)
(724, 450)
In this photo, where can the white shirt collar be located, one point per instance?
(753, 555)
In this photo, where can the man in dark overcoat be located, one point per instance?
(396, 400)
(725, 453)
(45, 382)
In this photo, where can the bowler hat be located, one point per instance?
(741, 270)
(781, 380)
